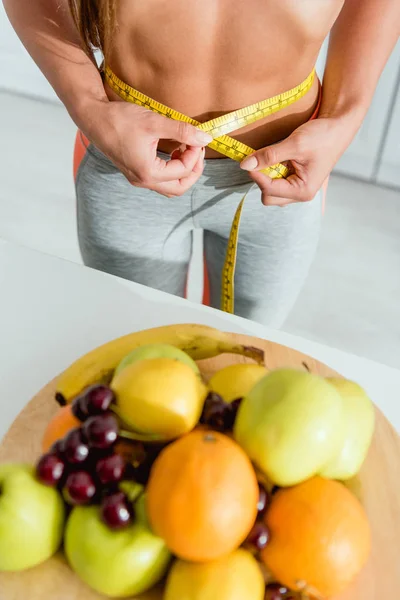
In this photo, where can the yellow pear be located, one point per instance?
(236, 576)
(160, 396)
(236, 381)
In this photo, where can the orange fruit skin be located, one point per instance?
(62, 422)
(320, 537)
(202, 496)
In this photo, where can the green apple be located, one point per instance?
(117, 564)
(31, 518)
(156, 351)
(290, 425)
(358, 425)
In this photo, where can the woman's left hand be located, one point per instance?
(311, 152)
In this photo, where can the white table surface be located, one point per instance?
(52, 311)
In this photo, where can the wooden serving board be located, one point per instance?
(378, 486)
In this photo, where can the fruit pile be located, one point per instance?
(232, 489)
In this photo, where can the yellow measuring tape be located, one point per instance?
(219, 128)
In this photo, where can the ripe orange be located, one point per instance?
(320, 537)
(62, 422)
(202, 496)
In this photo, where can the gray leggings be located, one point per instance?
(142, 236)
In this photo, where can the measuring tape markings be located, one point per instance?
(218, 128)
(228, 271)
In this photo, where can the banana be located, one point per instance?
(198, 341)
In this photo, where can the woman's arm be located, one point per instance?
(127, 134)
(47, 31)
(361, 41)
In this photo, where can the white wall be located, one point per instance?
(389, 166)
(18, 72)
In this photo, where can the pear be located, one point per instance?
(236, 381)
(236, 576)
(290, 425)
(156, 351)
(358, 425)
(159, 396)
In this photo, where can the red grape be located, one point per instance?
(116, 511)
(79, 488)
(217, 413)
(80, 408)
(262, 499)
(213, 399)
(235, 407)
(57, 448)
(74, 447)
(101, 431)
(50, 469)
(276, 591)
(110, 469)
(258, 537)
(98, 398)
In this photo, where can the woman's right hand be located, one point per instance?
(129, 135)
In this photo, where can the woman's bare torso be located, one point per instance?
(205, 58)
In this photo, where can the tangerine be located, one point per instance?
(202, 496)
(62, 422)
(319, 537)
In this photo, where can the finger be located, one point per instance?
(176, 168)
(176, 154)
(178, 188)
(179, 154)
(187, 154)
(182, 132)
(271, 155)
(292, 188)
(186, 184)
(273, 201)
(178, 151)
(199, 166)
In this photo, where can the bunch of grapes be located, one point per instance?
(85, 466)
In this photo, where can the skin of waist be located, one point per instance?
(257, 135)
